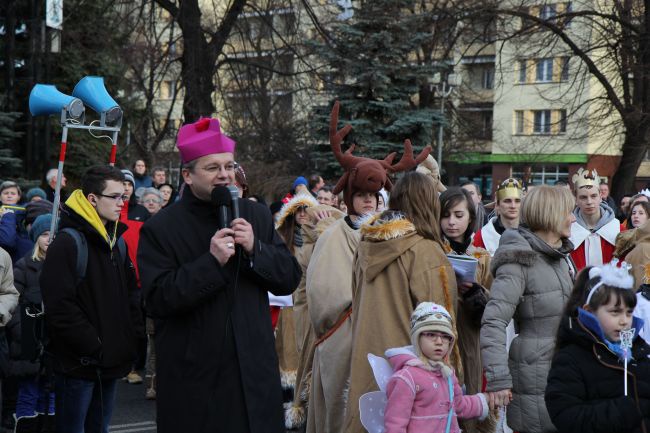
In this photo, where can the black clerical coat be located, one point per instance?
(216, 372)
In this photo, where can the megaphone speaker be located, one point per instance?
(92, 92)
(45, 99)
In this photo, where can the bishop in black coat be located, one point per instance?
(216, 371)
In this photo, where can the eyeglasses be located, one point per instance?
(436, 335)
(118, 198)
(150, 200)
(213, 168)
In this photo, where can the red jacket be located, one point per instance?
(132, 237)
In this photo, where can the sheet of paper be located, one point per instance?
(464, 267)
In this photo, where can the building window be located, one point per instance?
(522, 71)
(544, 70)
(519, 122)
(542, 122)
(542, 174)
(548, 12)
(488, 78)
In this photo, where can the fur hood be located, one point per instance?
(384, 238)
(292, 206)
(312, 230)
(385, 226)
(523, 247)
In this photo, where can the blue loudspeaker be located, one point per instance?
(92, 92)
(45, 99)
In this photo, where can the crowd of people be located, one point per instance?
(360, 305)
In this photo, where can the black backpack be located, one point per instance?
(82, 250)
(34, 336)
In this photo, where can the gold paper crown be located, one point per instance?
(585, 179)
(509, 188)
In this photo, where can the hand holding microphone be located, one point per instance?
(232, 232)
(222, 245)
(243, 230)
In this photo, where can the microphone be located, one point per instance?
(220, 197)
(234, 197)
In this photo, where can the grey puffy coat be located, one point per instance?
(531, 286)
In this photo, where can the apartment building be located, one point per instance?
(547, 114)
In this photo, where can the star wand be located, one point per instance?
(626, 345)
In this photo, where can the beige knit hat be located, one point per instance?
(429, 316)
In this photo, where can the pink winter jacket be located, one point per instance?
(418, 399)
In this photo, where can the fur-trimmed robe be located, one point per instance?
(286, 345)
(329, 279)
(296, 415)
(395, 270)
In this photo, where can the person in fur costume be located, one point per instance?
(423, 393)
(290, 219)
(320, 218)
(329, 276)
(399, 263)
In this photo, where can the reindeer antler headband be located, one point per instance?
(366, 174)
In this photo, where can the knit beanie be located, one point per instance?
(128, 176)
(35, 192)
(40, 226)
(299, 180)
(429, 316)
(34, 209)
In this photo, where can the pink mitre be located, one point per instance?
(202, 138)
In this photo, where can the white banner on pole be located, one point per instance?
(54, 14)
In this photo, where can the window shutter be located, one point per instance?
(529, 120)
(558, 62)
(531, 71)
(555, 122)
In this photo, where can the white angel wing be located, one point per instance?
(381, 369)
(372, 406)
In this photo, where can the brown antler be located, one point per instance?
(407, 161)
(336, 138)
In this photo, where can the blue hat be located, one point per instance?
(299, 180)
(40, 226)
(35, 192)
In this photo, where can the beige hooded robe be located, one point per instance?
(395, 270)
(329, 296)
(296, 414)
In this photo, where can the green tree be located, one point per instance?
(9, 165)
(379, 65)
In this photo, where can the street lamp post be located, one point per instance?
(444, 89)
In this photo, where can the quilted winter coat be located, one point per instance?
(532, 283)
(418, 399)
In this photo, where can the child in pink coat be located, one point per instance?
(423, 392)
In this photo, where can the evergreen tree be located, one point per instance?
(10, 166)
(378, 74)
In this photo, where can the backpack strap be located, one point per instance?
(450, 384)
(121, 246)
(82, 251)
